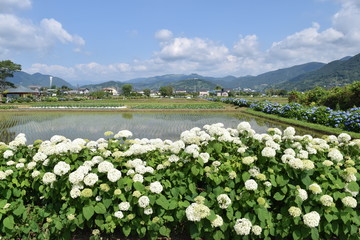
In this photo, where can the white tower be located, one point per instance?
(51, 81)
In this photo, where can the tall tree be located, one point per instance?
(126, 89)
(166, 91)
(7, 69)
(147, 92)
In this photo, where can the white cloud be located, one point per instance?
(163, 35)
(247, 46)
(19, 35)
(195, 50)
(53, 28)
(10, 5)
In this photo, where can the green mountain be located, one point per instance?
(159, 81)
(262, 81)
(38, 79)
(193, 85)
(96, 87)
(259, 82)
(336, 73)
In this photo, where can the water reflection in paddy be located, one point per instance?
(92, 125)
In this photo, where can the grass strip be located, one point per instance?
(313, 126)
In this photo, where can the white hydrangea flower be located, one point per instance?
(31, 165)
(242, 226)
(344, 137)
(326, 200)
(124, 206)
(39, 157)
(251, 185)
(349, 202)
(156, 187)
(308, 164)
(91, 179)
(35, 174)
(195, 212)
(205, 157)
(303, 154)
(19, 165)
(335, 155)
(119, 214)
(148, 211)
(248, 160)
(144, 201)
(256, 230)
(75, 192)
(244, 126)
(327, 163)
(216, 163)
(123, 134)
(105, 166)
(289, 132)
(224, 201)
(217, 222)
(302, 194)
(61, 168)
(315, 188)
(268, 152)
(290, 151)
(312, 219)
(138, 178)
(8, 153)
(49, 178)
(294, 211)
(2, 175)
(296, 163)
(173, 158)
(113, 175)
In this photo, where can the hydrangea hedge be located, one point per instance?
(347, 120)
(213, 183)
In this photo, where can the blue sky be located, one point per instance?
(95, 41)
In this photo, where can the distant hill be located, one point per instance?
(259, 82)
(264, 80)
(160, 81)
(336, 73)
(193, 85)
(38, 79)
(97, 87)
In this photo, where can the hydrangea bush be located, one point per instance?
(212, 183)
(347, 120)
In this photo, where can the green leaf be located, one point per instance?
(100, 223)
(296, 234)
(314, 233)
(353, 186)
(262, 214)
(126, 230)
(164, 231)
(194, 170)
(9, 222)
(100, 208)
(218, 235)
(88, 212)
(19, 210)
(163, 202)
(107, 202)
(245, 176)
(139, 186)
(278, 196)
(58, 225)
(168, 218)
(218, 147)
(173, 205)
